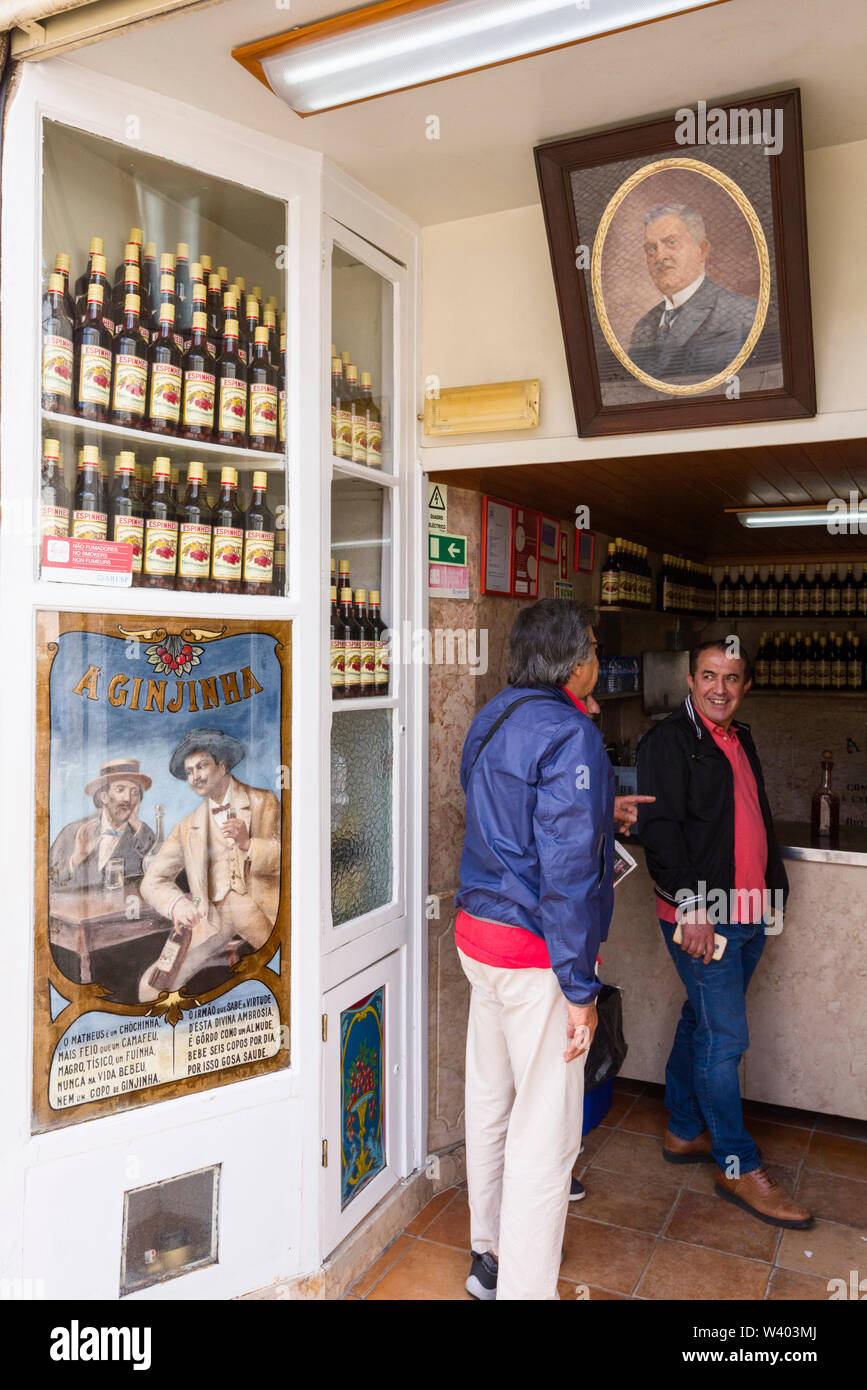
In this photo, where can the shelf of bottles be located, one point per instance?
(163, 367)
(682, 587)
(832, 662)
(794, 591)
(361, 370)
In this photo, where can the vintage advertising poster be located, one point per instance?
(162, 859)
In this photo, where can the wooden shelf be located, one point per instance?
(784, 694)
(619, 695)
(603, 608)
(804, 619)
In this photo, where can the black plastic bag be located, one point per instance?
(608, 1049)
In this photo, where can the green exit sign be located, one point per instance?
(447, 550)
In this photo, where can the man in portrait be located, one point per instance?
(83, 849)
(698, 327)
(229, 850)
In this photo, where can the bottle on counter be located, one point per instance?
(854, 663)
(165, 376)
(849, 595)
(725, 595)
(89, 517)
(755, 594)
(195, 535)
(777, 665)
(228, 543)
(57, 349)
(199, 383)
(259, 538)
(161, 530)
(839, 665)
(262, 407)
(92, 346)
(833, 594)
(762, 664)
(125, 512)
(825, 809)
(54, 499)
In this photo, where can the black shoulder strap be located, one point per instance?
(510, 709)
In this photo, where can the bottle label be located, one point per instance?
(95, 380)
(778, 671)
(194, 550)
(57, 365)
(374, 443)
(381, 662)
(258, 557)
(609, 586)
(848, 602)
(131, 530)
(793, 671)
(228, 548)
(338, 653)
(769, 604)
(352, 664)
(817, 603)
(90, 526)
(763, 672)
(832, 602)
(283, 417)
(343, 438)
(199, 390)
(802, 603)
(168, 955)
(161, 547)
(854, 675)
(130, 383)
(55, 521)
(359, 437)
(725, 603)
(785, 602)
(367, 664)
(165, 391)
(263, 409)
(233, 405)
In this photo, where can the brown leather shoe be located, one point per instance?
(676, 1150)
(763, 1198)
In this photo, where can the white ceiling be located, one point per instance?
(490, 120)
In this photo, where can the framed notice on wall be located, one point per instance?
(525, 576)
(162, 859)
(549, 539)
(498, 523)
(585, 550)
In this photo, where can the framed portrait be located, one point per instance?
(498, 529)
(161, 932)
(585, 550)
(549, 539)
(679, 251)
(525, 567)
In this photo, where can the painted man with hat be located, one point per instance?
(83, 848)
(229, 850)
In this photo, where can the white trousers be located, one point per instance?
(523, 1124)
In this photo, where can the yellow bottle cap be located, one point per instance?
(257, 291)
(51, 448)
(55, 284)
(131, 303)
(205, 262)
(183, 251)
(150, 248)
(97, 265)
(361, 596)
(240, 280)
(195, 473)
(200, 321)
(365, 378)
(336, 367)
(213, 281)
(262, 336)
(222, 272)
(252, 307)
(162, 467)
(229, 300)
(96, 244)
(374, 596)
(125, 462)
(270, 318)
(94, 293)
(167, 261)
(135, 235)
(195, 270)
(89, 457)
(167, 283)
(61, 261)
(345, 595)
(167, 313)
(227, 475)
(351, 372)
(260, 479)
(132, 275)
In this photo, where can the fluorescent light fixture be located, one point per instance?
(828, 516)
(397, 44)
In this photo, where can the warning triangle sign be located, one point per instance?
(436, 502)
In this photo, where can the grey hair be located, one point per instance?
(548, 639)
(689, 216)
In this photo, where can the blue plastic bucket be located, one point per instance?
(597, 1104)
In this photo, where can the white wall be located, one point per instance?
(489, 313)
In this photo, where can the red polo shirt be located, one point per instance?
(751, 840)
(495, 943)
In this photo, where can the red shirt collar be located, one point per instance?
(574, 698)
(717, 729)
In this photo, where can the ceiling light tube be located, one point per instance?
(768, 517)
(398, 44)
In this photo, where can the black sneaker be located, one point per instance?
(482, 1282)
(576, 1191)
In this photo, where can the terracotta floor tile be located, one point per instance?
(780, 1114)
(702, 1177)
(630, 1088)
(784, 1285)
(685, 1272)
(829, 1153)
(779, 1143)
(637, 1154)
(604, 1256)
(427, 1214)
(365, 1283)
(839, 1124)
(642, 1204)
(832, 1198)
(702, 1220)
(647, 1116)
(452, 1226)
(590, 1146)
(426, 1273)
(655, 1088)
(833, 1251)
(621, 1104)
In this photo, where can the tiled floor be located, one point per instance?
(650, 1230)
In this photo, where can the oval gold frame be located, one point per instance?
(755, 226)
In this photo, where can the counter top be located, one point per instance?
(794, 840)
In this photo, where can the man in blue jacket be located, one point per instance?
(535, 902)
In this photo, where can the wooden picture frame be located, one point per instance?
(645, 350)
(585, 551)
(498, 538)
(549, 539)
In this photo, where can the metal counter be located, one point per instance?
(793, 838)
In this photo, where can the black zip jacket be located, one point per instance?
(689, 831)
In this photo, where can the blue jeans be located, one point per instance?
(702, 1088)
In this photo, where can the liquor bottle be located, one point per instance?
(839, 666)
(862, 593)
(662, 584)
(825, 810)
(97, 248)
(374, 423)
(770, 594)
(183, 288)
(854, 664)
(127, 281)
(224, 278)
(281, 393)
(150, 279)
(161, 530)
(259, 538)
(199, 299)
(823, 666)
(89, 517)
(381, 651)
(609, 578)
(195, 537)
(833, 594)
(337, 648)
(215, 313)
(815, 653)
(352, 638)
(230, 316)
(279, 585)
(54, 499)
(801, 596)
(252, 321)
(804, 653)
(61, 267)
(57, 349)
(755, 596)
(367, 650)
(741, 594)
(165, 370)
(228, 545)
(130, 369)
(849, 595)
(275, 347)
(166, 295)
(725, 596)
(786, 594)
(132, 251)
(125, 514)
(262, 407)
(341, 416)
(778, 666)
(91, 344)
(207, 269)
(792, 677)
(98, 277)
(762, 667)
(231, 399)
(199, 383)
(343, 579)
(817, 593)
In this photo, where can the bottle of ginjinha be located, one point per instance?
(89, 516)
(259, 536)
(161, 530)
(194, 534)
(61, 267)
(352, 638)
(381, 660)
(165, 364)
(97, 248)
(54, 517)
(200, 368)
(281, 394)
(338, 648)
(228, 543)
(262, 403)
(129, 392)
(231, 400)
(92, 360)
(126, 518)
(57, 353)
(279, 585)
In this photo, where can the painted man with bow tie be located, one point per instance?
(84, 848)
(229, 849)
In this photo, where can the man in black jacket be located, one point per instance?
(710, 846)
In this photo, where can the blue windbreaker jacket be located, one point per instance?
(539, 845)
